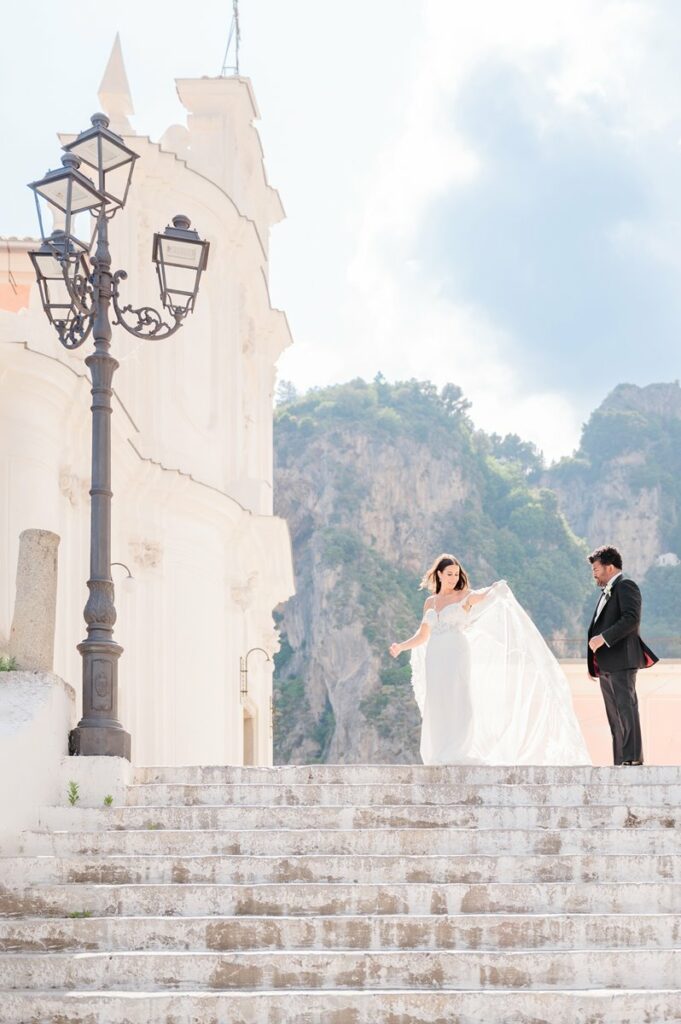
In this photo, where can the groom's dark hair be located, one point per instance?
(606, 555)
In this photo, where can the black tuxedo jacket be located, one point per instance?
(619, 623)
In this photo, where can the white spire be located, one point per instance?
(114, 91)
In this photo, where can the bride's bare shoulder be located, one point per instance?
(429, 603)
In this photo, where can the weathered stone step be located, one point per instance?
(396, 817)
(410, 774)
(338, 969)
(311, 898)
(405, 841)
(351, 794)
(471, 931)
(512, 1006)
(158, 868)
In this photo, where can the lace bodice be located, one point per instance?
(452, 618)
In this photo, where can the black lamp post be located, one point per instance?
(76, 293)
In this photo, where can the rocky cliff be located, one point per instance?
(623, 485)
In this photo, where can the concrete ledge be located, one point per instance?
(607, 1006)
(37, 710)
(96, 778)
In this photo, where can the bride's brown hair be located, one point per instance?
(431, 580)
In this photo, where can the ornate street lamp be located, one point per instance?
(180, 257)
(63, 272)
(106, 153)
(70, 191)
(76, 294)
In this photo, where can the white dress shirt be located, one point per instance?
(607, 590)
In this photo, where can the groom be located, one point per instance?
(616, 652)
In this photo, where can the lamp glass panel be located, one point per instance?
(112, 155)
(57, 192)
(181, 253)
(48, 266)
(82, 199)
(180, 280)
(57, 293)
(117, 181)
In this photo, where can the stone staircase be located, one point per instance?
(352, 895)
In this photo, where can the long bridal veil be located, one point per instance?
(521, 702)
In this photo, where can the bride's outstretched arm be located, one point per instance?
(476, 596)
(419, 637)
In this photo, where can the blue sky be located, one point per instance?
(481, 193)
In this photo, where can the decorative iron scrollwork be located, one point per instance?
(148, 322)
(81, 293)
(73, 333)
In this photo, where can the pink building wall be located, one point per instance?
(659, 698)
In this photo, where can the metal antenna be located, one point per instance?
(234, 37)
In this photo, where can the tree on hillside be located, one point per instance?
(511, 448)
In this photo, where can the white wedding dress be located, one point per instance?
(490, 691)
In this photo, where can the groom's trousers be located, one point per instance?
(621, 706)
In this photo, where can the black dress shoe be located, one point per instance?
(638, 763)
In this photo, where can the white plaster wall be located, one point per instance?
(192, 456)
(659, 699)
(205, 572)
(37, 711)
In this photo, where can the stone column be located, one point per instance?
(31, 639)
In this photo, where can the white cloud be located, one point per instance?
(576, 54)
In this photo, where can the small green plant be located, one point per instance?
(7, 664)
(80, 914)
(72, 793)
(153, 825)
(108, 800)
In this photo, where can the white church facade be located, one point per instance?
(192, 444)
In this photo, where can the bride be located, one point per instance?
(488, 688)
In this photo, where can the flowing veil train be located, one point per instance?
(521, 703)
